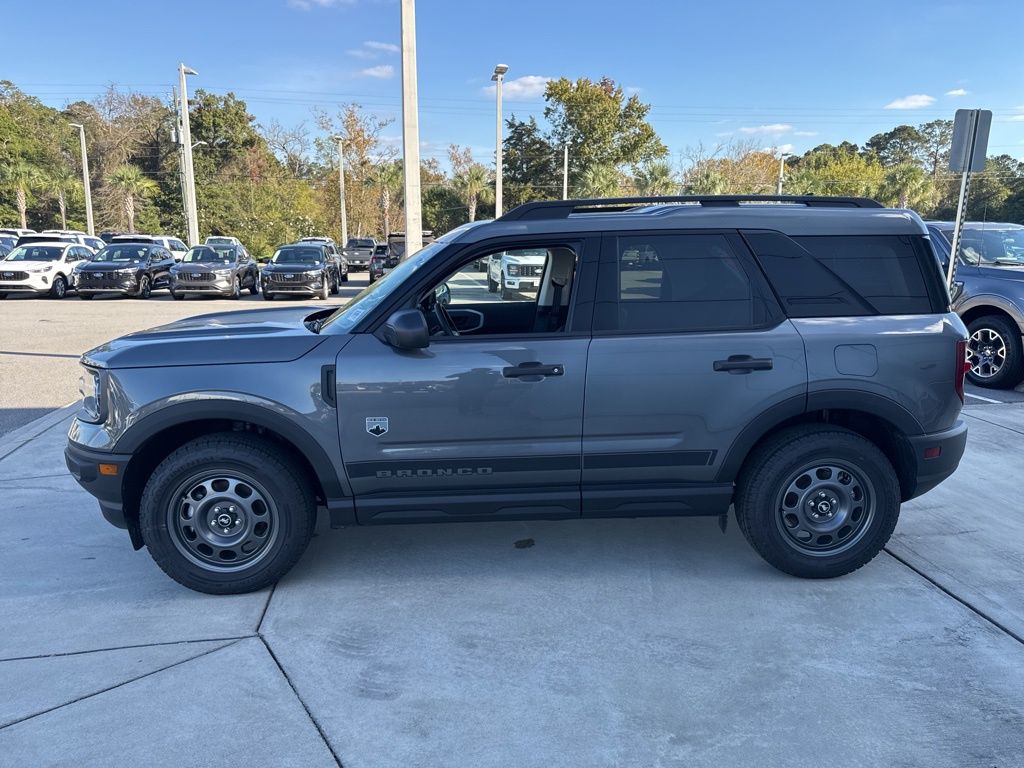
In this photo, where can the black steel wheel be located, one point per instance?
(817, 501)
(227, 513)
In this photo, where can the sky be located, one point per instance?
(786, 74)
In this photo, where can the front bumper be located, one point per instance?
(949, 446)
(358, 261)
(220, 285)
(84, 465)
(34, 283)
(521, 283)
(306, 285)
(116, 284)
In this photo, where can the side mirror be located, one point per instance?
(443, 294)
(407, 329)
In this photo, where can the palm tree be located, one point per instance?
(600, 181)
(473, 186)
(24, 177)
(129, 183)
(388, 180)
(60, 183)
(656, 178)
(907, 185)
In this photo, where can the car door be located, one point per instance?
(160, 262)
(483, 426)
(689, 348)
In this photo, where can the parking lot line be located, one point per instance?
(985, 399)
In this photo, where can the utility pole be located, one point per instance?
(565, 173)
(85, 180)
(185, 136)
(410, 131)
(498, 77)
(341, 188)
(782, 172)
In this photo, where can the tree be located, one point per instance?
(907, 186)
(24, 177)
(903, 144)
(600, 181)
(600, 125)
(473, 184)
(656, 178)
(387, 179)
(828, 170)
(131, 185)
(61, 182)
(532, 165)
(936, 138)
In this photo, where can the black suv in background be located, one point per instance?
(304, 268)
(218, 269)
(358, 251)
(131, 269)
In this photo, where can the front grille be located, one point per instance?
(531, 270)
(197, 276)
(13, 275)
(99, 280)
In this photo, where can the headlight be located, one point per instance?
(89, 386)
(222, 271)
(126, 272)
(513, 270)
(313, 273)
(37, 270)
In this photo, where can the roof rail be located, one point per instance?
(561, 209)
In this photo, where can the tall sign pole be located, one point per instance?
(341, 188)
(86, 185)
(967, 154)
(410, 131)
(185, 135)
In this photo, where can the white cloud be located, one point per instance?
(525, 87)
(1016, 118)
(383, 47)
(957, 92)
(771, 128)
(781, 149)
(914, 101)
(383, 72)
(805, 133)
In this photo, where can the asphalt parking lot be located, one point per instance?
(652, 642)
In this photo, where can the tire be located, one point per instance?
(335, 286)
(254, 289)
(277, 516)
(344, 276)
(177, 296)
(996, 353)
(503, 293)
(492, 286)
(59, 288)
(236, 290)
(324, 289)
(86, 296)
(268, 296)
(145, 288)
(797, 511)
(3, 296)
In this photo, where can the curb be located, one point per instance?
(20, 437)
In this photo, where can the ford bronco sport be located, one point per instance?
(792, 357)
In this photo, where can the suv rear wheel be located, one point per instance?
(817, 501)
(995, 353)
(227, 514)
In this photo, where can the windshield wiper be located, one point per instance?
(1009, 263)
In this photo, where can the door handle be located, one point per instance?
(743, 364)
(532, 369)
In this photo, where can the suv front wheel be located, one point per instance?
(817, 501)
(227, 514)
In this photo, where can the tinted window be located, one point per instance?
(678, 283)
(177, 245)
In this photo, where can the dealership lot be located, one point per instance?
(606, 643)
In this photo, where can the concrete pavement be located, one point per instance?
(652, 642)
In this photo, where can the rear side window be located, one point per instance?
(850, 275)
(679, 283)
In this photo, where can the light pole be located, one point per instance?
(191, 210)
(85, 180)
(565, 173)
(410, 132)
(782, 171)
(498, 77)
(341, 188)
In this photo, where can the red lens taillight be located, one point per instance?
(962, 367)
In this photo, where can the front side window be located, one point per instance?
(677, 284)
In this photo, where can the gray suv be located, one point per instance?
(218, 269)
(794, 358)
(989, 297)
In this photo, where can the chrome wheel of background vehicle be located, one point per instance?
(986, 353)
(825, 508)
(222, 521)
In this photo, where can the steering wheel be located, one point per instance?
(442, 321)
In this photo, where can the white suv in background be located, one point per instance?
(177, 248)
(44, 269)
(512, 272)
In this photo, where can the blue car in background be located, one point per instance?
(989, 297)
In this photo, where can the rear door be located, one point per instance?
(689, 348)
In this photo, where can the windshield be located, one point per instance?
(207, 254)
(220, 241)
(297, 256)
(993, 246)
(36, 253)
(125, 254)
(368, 298)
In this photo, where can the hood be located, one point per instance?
(534, 260)
(223, 338)
(109, 266)
(286, 267)
(25, 266)
(995, 272)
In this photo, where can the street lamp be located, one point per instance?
(782, 171)
(85, 180)
(498, 77)
(341, 187)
